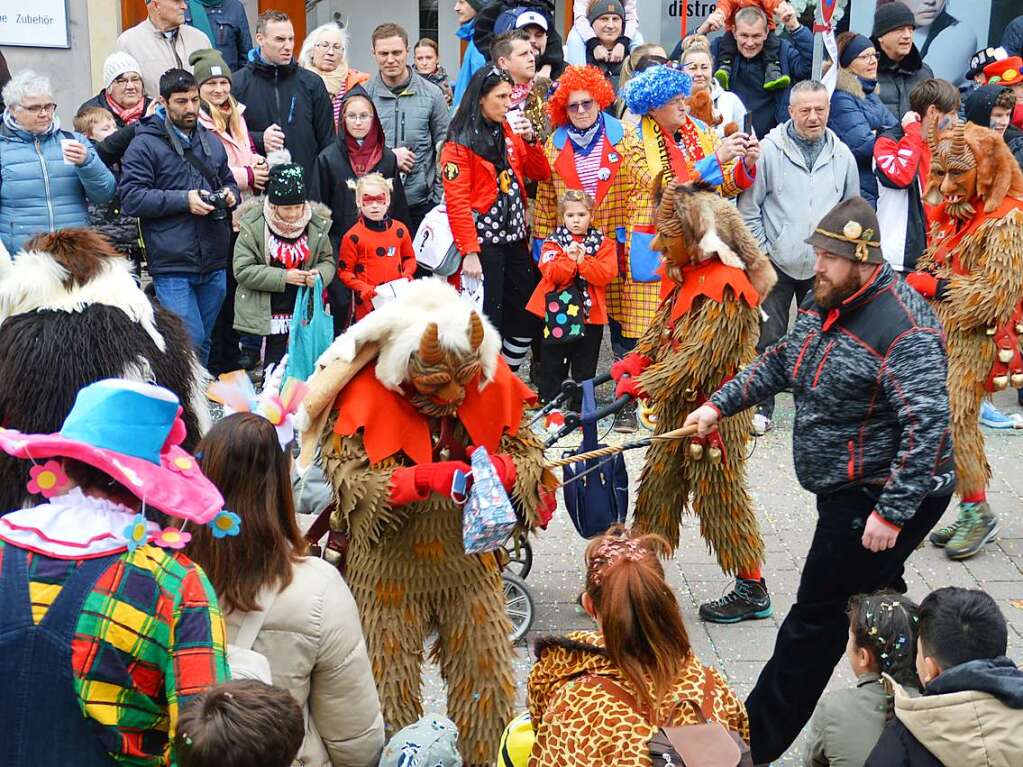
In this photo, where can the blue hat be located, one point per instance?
(655, 87)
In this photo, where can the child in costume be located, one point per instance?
(882, 640)
(108, 629)
(399, 402)
(377, 249)
(578, 257)
(283, 243)
(724, 16)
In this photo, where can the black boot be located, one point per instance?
(748, 600)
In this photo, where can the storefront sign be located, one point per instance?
(672, 18)
(34, 23)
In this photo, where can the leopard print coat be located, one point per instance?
(583, 725)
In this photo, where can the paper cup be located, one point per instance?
(518, 122)
(63, 149)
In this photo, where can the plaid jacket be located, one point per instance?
(149, 638)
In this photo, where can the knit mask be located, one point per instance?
(953, 176)
(439, 376)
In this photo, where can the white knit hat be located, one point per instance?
(117, 64)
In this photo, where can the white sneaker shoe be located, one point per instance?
(761, 424)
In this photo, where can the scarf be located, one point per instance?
(289, 230)
(661, 150)
(197, 9)
(126, 115)
(365, 154)
(585, 140)
(520, 92)
(334, 81)
(810, 150)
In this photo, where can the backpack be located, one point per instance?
(707, 744)
(430, 742)
(244, 662)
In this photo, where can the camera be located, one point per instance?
(219, 202)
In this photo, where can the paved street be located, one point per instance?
(787, 516)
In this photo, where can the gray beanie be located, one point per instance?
(600, 8)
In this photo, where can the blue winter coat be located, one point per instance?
(230, 31)
(769, 108)
(857, 116)
(155, 181)
(471, 62)
(39, 192)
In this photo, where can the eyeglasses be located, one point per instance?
(336, 47)
(869, 56)
(38, 109)
(580, 106)
(360, 117)
(124, 80)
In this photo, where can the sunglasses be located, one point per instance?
(580, 106)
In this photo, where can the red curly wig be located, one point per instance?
(589, 79)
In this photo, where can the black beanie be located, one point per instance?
(892, 16)
(286, 185)
(476, 5)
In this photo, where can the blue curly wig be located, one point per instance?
(654, 88)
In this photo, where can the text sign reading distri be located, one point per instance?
(34, 23)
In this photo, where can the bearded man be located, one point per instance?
(972, 274)
(394, 436)
(866, 364)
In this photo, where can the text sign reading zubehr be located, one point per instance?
(34, 23)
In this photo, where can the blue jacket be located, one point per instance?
(471, 62)
(155, 181)
(1012, 38)
(857, 116)
(230, 31)
(39, 192)
(770, 108)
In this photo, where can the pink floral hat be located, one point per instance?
(132, 432)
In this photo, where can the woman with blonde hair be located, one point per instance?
(325, 52)
(698, 63)
(598, 697)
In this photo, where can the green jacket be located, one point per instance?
(257, 279)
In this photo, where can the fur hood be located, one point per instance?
(398, 328)
(68, 271)
(850, 83)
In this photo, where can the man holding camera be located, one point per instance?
(176, 179)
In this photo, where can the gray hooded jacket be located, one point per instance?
(787, 199)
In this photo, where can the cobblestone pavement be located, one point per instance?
(787, 517)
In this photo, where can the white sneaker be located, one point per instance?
(761, 424)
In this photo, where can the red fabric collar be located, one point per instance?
(710, 279)
(391, 425)
(952, 238)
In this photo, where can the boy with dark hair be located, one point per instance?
(902, 161)
(241, 723)
(971, 711)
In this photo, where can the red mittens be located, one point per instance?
(505, 468)
(630, 386)
(415, 483)
(631, 365)
(926, 284)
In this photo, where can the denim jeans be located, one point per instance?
(196, 299)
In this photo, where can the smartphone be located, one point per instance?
(747, 124)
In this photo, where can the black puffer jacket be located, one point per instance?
(291, 97)
(896, 79)
(869, 385)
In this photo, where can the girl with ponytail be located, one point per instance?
(598, 697)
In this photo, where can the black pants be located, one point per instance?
(276, 348)
(777, 306)
(813, 636)
(580, 356)
(509, 278)
(416, 214)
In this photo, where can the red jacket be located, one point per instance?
(371, 257)
(470, 183)
(557, 270)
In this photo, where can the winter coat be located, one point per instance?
(417, 119)
(156, 54)
(597, 726)
(869, 384)
(971, 714)
(241, 155)
(291, 97)
(769, 108)
(472, 61)
(39, 192)
(441, 80)
(373, 253)
(110, 220)
(100, 100)
(470, 183)
(155, 181)
(313, 640)
(896, 80)
(902, 161)
(857, 117)
(788, 200)
(331, 172)
(1012, 37)
(258, 278)
(230, 29)
(847, 724)
(558, 271)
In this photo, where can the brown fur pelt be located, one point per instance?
(80, 251)
(998, 174)
(695, 223)
(701, 106)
